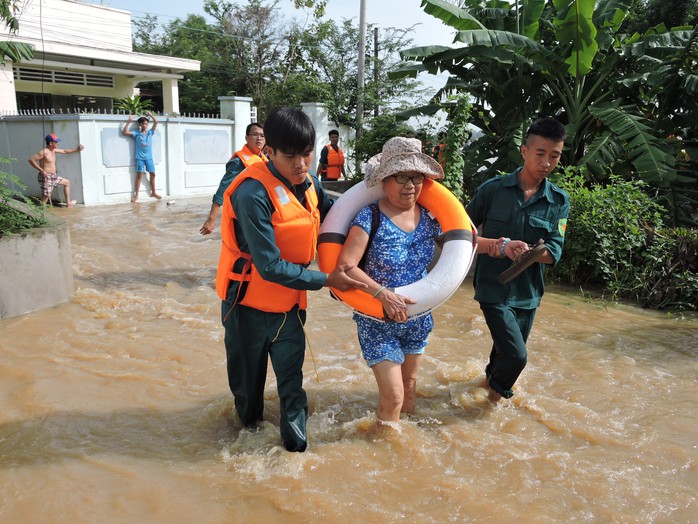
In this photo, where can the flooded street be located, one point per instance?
(115, 408)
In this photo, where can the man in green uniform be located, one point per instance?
(269, 229)
(512, 212)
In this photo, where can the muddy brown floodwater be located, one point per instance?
(114, 407)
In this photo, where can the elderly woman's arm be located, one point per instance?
(353, 250)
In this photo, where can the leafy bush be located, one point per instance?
(457, 135)
(370, 143)
(606, 230)
(669, 276)
(616, 240)
(13, 217)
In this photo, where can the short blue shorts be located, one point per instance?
(391, 340)
(143, 166)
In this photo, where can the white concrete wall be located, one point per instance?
(72, 22)
(189, 154)
(25, 284)
(237, 108)
(8, 99)
(20, 138)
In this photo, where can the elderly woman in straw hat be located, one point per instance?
(398, 254)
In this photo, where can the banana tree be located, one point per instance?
(667, 88)
(549, 57)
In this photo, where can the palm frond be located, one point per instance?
(644, 150)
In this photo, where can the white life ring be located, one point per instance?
(457, 253)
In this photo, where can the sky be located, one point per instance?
(383, 13)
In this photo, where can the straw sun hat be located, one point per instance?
(400, 155)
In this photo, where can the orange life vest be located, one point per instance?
(295, 230)
(248, 158)
(335, 161)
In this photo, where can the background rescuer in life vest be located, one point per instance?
(250, 153)
(331, 164)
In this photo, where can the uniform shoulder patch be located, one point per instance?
(562, 226)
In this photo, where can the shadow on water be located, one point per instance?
(183, 277)
(203, 431)
(190, 435)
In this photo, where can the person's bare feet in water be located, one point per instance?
(134, 197)
(72, 203)
(492, 395)
(155, 195)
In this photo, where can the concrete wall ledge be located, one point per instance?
(35, 269)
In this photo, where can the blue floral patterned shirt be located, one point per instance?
(395, 257)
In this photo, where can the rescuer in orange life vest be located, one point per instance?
(250, 153)
(270, 225)
(331, 164)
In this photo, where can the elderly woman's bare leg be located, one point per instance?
(390, 390)
(410, 368)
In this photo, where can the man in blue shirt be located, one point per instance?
(512, 212)
(144, 152)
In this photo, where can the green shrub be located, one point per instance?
(607, 231)
(15, 218)
(616, 241)
(669, 276)
(370, 143)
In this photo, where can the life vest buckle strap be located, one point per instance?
(244, 275)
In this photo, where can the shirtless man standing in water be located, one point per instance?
(45, 163)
